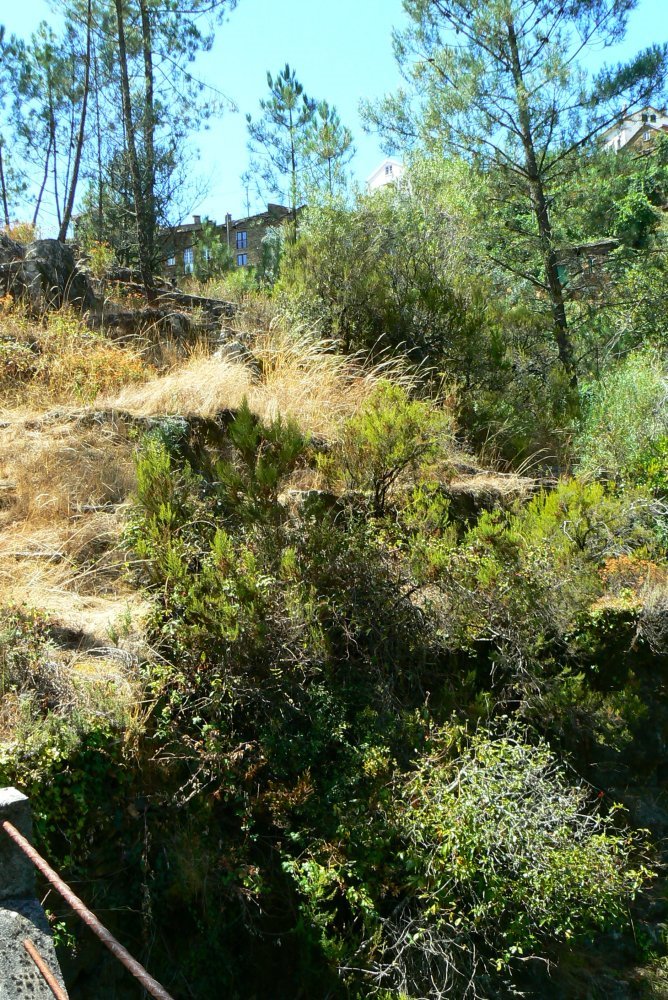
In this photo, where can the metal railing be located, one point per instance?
(115, 947)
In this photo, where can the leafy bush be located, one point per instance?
(101, 258)
(390, 435)
(298, 641)
(626, 416)
(382, 275)
(466, 863)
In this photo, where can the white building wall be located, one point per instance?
(388, 172)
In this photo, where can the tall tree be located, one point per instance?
(5, 86)
(277, 137)
(162, 38)
(81, 131)
(499, 82)
(50, 83)
(329, 145)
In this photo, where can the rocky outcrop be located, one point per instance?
(44, 274)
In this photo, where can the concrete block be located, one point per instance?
(17, 873)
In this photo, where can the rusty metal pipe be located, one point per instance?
(49, 978)
(115, 947)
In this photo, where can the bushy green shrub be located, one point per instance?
(309, 657)
(522, 584)
(626, 417)
(382, 275)
(481, 854)
(390, 436)
(250, 594)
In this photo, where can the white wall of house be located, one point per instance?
(388, 172)
(621, 133)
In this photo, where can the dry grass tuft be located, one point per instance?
(308, 380)
(107, 629)
(59, 360)
(66, 482)
(202, 386)
(58, 470)
(290, 375)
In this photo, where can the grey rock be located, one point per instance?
(234, 352)
(45, 274)
(10, 250)
(17, 874)
(20, 978)
(53, 278)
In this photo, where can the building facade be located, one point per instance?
(638, 131)
(243, 237)
(389, 171)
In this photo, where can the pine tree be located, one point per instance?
(328, 145)
(277, 137)
(499, 82)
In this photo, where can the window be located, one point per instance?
(171, 260)
(242, 240)
(645, 118)
(652, 118)
(646, 136)
(242, 259)
(188, 259)
(388, 169)
(206, 253)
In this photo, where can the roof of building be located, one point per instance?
(389, 160)
(627, 119)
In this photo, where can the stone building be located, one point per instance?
(243, 237)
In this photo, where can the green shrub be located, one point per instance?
(519, 587)
(468, 862)
(626, 416)
(309, 657)
(390, 436)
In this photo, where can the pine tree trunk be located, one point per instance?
(98, 131)
(43, 185)
(54, 147)
(3, 190)
(293, 179)
(541, 213)
(69, 206)
(149, 130)
(143, 244)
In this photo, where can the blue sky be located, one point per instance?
(341, 51)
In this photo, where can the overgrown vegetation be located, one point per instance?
(343, 623)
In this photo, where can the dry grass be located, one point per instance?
(293, 375)
(59, 469)
(66, 481)
(58, 360)
(202, 386)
